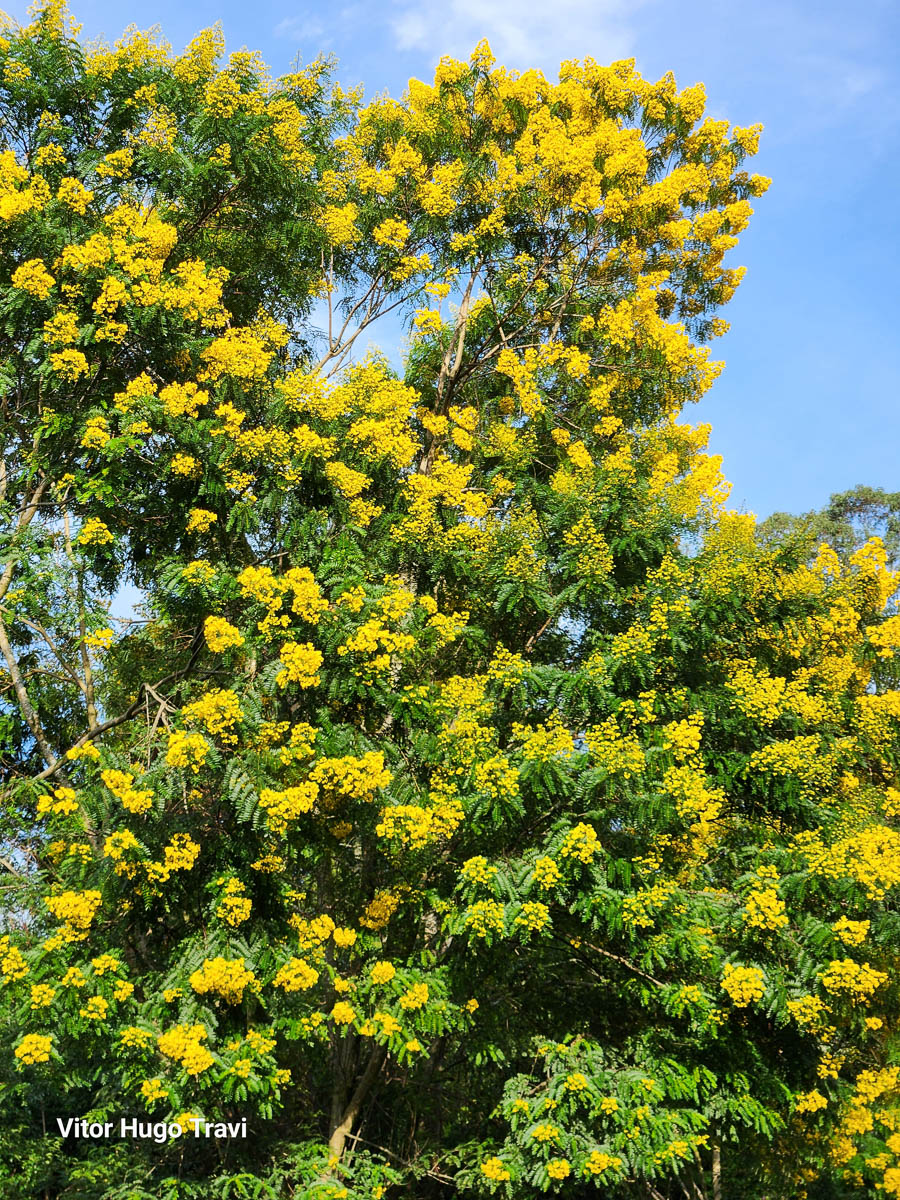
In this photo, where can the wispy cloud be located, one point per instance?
(522, 33)
(300, 29)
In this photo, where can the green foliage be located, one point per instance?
(474, 804)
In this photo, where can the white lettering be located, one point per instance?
(158, 1131)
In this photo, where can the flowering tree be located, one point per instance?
(477, 805)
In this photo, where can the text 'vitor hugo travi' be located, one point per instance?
(156, 1131)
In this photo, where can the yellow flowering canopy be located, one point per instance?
(472, 801)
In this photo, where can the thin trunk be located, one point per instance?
(364, 1086)
(25, 519)
(717, 1171)
(86, 670)
(25, 706)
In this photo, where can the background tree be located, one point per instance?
(846, 523)
(479, 806)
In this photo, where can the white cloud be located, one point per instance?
(300, 29)
(522, 33)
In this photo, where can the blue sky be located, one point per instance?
(808, 402)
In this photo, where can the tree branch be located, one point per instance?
(25, 706)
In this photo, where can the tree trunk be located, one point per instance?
(364, 1086)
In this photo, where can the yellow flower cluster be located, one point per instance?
(576, 1082)
(199, 572)
(415, 996)
(478, 870)
(96, 433)
(683, 737)
(153, 1090)
(105, 962)
(545, 1133)
(34, 1048)
(870, 1085)
(765, 910)
(14, 199)
(545, 742)
(810, 1102)
(135, 1038)
(498, 777)
(694, 800)
(95, 1009)
(301, 663)
(223, 977)
(269, 590)
(580, 843)
(857, 980)
(238, 353)
(296, 975)
(851, 933)
(639, 911)
(870, 856)
(12, 964)
(93, 532)
(343, 1013)
(594, 559)
(885, 637)
(493, 1169)
(312, 934)
(808, 1011)
(234, 907)
(382, 972)
(506, 668)
(379, 911)
(533, 916)
(76, 909)
(180, 855)
(100, 639)
(62, 803)
(220, 635)
(178, 400)
(416, 826)
(200, 520)
(218, 711)
(798, 756)
(546, 873)
(485, 917)
(134, 799)
(186, 750)
(42, 995)
(375, 639)
(33, 277)
(598, 1161)
(743, 984)
(357, 778)
(282, 807)
(614, 751)
(339, 224)
(183, 1043)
